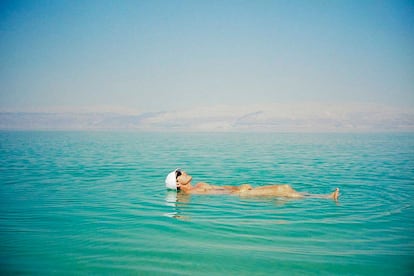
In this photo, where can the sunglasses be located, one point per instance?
(177, 173)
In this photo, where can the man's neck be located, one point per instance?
(186, 187)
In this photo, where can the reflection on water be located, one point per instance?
(171, 198)
(177, 200)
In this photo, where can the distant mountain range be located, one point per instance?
(297, 118)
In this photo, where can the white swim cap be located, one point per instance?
(171, 180)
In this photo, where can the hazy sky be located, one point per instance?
(168, 55)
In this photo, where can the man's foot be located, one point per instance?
(335, 195)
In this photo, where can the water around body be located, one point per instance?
(95, 203)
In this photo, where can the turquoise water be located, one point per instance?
(95, 203)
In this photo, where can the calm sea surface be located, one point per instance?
(95, 203)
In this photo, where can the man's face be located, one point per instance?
(183, 179)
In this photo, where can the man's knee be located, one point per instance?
(245, 187)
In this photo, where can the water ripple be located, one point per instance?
(94, 203)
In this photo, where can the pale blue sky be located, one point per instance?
(166, 55)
